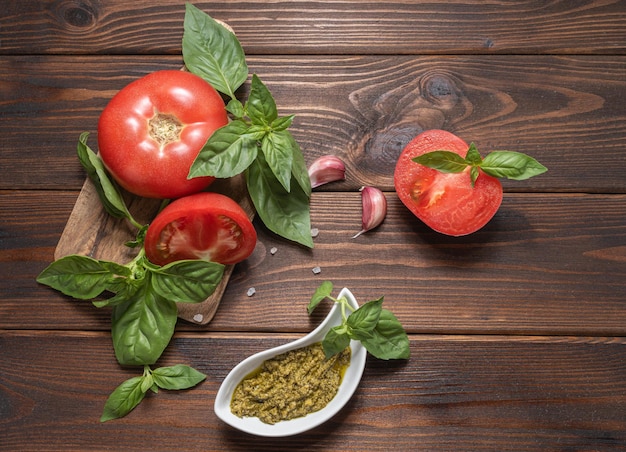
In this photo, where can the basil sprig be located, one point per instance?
(142, 297)
(376, 328)
(143, 300)
(257, 141)
(509, 164)
(132, 391)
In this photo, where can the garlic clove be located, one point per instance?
(327, 168)
(374, 208)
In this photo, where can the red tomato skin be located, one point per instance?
(447, 203)
(136, 160)
(204, 225)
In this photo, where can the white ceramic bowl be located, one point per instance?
(348, 385)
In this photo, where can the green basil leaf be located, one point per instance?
(213, 52)
(142, 326)
(335, 341)
(299, 169)
(286, 214)
(473, 156)
(189, 281)
(227, 152)
(147, 383)
(177, 377)
(323, 291)
(282, 123)
(109, 194)
(261, 106)
(123, 288)
(444, 161)
(474, 173)
(389, 340)
(512, 165)
(81, 277)
(365, 318)
(123, 399)
(235, 107)
(276, 147)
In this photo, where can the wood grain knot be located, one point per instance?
(439, 89)
(77, 14)
(397, 115)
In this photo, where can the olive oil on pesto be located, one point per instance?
(290, 385)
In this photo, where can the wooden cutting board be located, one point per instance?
(90, 231)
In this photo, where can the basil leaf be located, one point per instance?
(474, 173)
(235, 108)
(299, 170)
(286, 214)
(335, 340)
(213, 52)
(108, 192)
(142, 326)
(282, 123)
(227, 152)
(388, 339)
(123, 288)
(512, 165)
(147, 383)
(365, 318)
(322, 292)
(123, 399)
(276, 147)
(473, 156)
(190, 281)
(261, 106)
(177, 377)
(444, 161)
(81, 277)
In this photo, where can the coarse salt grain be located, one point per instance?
(317, 270)
(251, 291)
(198, 318)
(315, 232)
(273, 250)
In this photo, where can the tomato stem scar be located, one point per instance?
(164, 128)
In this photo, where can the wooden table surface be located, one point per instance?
(517, 332)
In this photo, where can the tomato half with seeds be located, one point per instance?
(206, 225)
(446, 202)
(153, 129)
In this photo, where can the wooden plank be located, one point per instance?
(321, 27)
(524, 273)
(462, 393)
(565, 111)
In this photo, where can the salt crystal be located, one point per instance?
(198, 318)
(273, 250)
(315, 232)
(251, 291)
(317, 270)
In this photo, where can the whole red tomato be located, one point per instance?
(204, 225)
(447, 202)
(153, 129)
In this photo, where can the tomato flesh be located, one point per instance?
(446, 202)
(207, 226)
(153, 129)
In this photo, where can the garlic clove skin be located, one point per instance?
(327, 168)
(374, 208)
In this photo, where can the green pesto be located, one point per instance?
(291, 385)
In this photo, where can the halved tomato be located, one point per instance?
(205, 225)
(447, 202)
